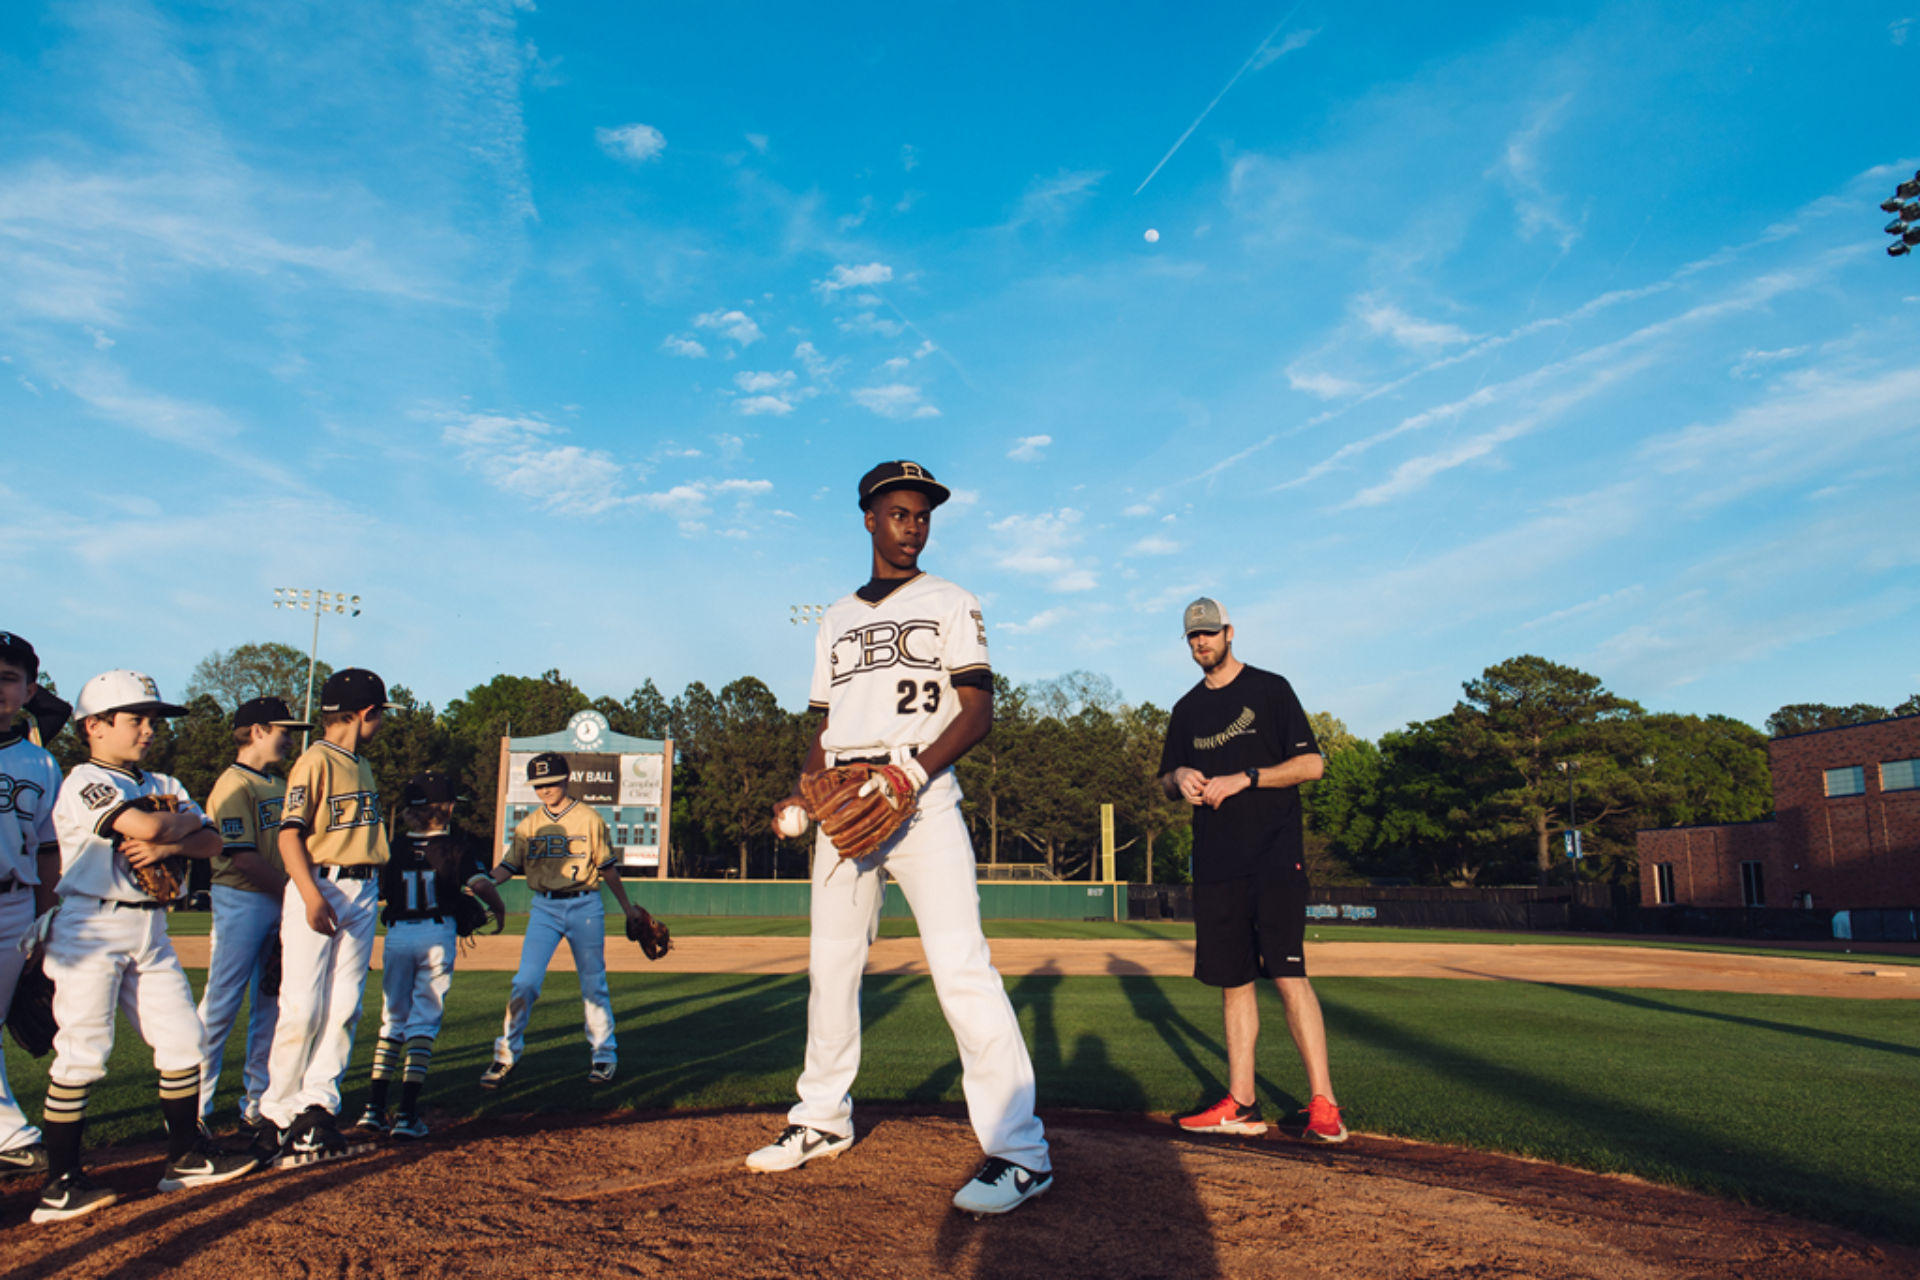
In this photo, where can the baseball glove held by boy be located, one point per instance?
(859, 806)
(165, 880)
(30, 1018)
(653, 936)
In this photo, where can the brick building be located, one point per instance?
(1845, 833)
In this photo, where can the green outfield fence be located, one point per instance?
(1022, 901)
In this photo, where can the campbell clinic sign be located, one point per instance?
(630, 780)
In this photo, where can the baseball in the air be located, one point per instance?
(1152, 235)
(792, 821)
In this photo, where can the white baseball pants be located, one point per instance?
(932, 859)
(16, 917)
(416, 972)
(244, 924)
(102, 956)
(582, 922)
(321, 982)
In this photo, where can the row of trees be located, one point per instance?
(1479, 795)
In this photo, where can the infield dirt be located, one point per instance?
(667, 1195)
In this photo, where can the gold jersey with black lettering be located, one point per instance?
(245, 808)
(559, 851)
(332, 796)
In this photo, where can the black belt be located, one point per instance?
(118, 905)
(365, 871)
(10, 885)
(886, 759)
(436, 919)
(564, 893)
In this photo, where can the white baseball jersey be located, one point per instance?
(29, 784)
(91, 798)
(884, 673)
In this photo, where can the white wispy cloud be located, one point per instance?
(1753, 362)
(818, 367)
(526, 458)
(1599, 602)
(636, 142)
(1519, 168)
(1029, 448)
(1254, 59)
(1038, 622)
(1295, 40)
(737, 326)
(749, 381)
(691, 505)
(896, 400)
(868, 322)
(681, 345)
(1155, 545)
(1409, 331)
(854, 277)
(763, 406)
(1324, 385)
(1041, 545)
(1050, 200)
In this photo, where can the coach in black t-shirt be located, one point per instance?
(1238, 747)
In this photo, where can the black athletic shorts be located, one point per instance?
(1249, 927)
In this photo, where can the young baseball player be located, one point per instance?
(564, 851)
(29, 868)
(248, 887)
(900, 672)
(430, 868)
(108, 949)
(333, 844)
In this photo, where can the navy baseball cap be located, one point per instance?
(431, 787)
(354, 689)
(901, 475)
(270, 711)
(548, 769)
(16, 650)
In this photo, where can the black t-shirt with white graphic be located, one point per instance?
(1253, 722)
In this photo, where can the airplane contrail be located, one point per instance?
(1216, 97)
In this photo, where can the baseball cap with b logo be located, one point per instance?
(123, 690)
(901, 475)
(548, 769)
(354, 689)
(16, 650)
(1205, 615)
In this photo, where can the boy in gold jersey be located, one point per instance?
(333, 843)
(248, 886)
(563, 850)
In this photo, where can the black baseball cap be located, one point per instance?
(547, 769)
(16, 650)
(270, 711)
(431, 787)
(901, 475)
(354, 689)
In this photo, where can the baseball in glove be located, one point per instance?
(165, 880)
(30, 1017)
(653, 935)
(859, 806)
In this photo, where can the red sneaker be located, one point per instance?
(1323, 1121)
(1224, 1116)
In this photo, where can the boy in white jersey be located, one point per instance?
(248, 886)
(332, 844)
(108, 947)
(29, 868)
(900, 671)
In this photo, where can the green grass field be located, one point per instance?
(1805, 1105)
(197, 923)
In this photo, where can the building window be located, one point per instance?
(1900, 775)
(1753, 889)
(1663, 883)
(1848, 781)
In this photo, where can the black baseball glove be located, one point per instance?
(653, 935)
(30, 1017)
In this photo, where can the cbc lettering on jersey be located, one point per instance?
(878, 646)
(354, 809)
(21, 796)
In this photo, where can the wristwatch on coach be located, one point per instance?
(1253, 776)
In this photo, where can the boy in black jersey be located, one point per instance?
(1238, 747)
(430, 868)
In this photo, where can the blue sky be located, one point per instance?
(562, 334)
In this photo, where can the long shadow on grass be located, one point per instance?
(1181, 1034)
(1090, 1079)
(1763, 1024)
(1660, 1145)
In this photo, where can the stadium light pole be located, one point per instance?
(1904, 205)
(317, 602)
(1569, 767)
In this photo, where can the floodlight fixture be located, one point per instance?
(1898, 250)
(1895, 227)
